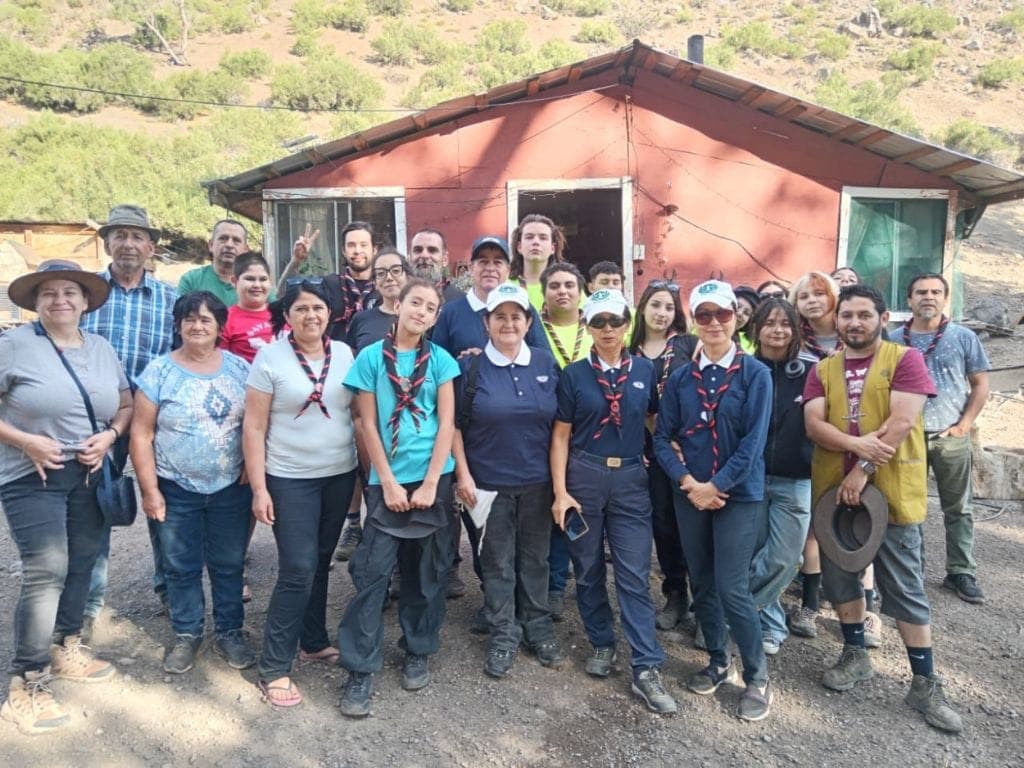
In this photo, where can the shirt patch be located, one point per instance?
(542, 379)
(638, 384)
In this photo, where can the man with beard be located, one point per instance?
(862, 409)
(428, 254)
(959, 367)
(228, 240)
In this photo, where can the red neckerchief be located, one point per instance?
(354, 296)
(559, 349)
(710, 406)
(405, 389)
(811, 341)
(935, 339)
(612, 391)
(317, 395)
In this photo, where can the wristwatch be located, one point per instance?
(868, 467)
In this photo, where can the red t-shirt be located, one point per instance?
(246, 331)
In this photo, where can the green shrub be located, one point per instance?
(252, 64)
(230, 17)
(310, 15)
(583, 8)
(875, 101)
(305, 44)
(217, 87)
(800, 13)
(918, 59)
(460, 6)
(326, 82)
(720, 56)
(637, 18)
(597, 32)
(832, 45)
(999, 73)
(1013, 20)
(506, 36)
(389, 7)
(975, 139)
(758, 37)
(400, 43)
(920, 20)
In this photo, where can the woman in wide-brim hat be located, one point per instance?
(49, 457)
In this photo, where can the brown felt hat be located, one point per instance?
(22, 291)
(850, 536)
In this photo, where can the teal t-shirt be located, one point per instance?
(415, 446)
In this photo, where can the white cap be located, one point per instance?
(607, 300)
(508, 292)
(712, 292)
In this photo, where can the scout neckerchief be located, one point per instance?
(559, 349)
(405, 387)
(811, 341)
(353, 296)
(935, 339)
(710, 405)
(612, 391)
(317, 395)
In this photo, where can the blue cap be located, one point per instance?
(490, 241)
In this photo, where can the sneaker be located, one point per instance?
(415, 672)
(771, 645)
(499, 662)
(350, 539)
(853, 667)
(600, 663)
(801, 622)
(755, 703)
(673, 612)
(548, 653)
(30, 704)
(235, 648)
(966, 587)
(698, 638)
(355, 697)
(182, 656)
(872, 630)
(708, 680)
(455, 587)
(246, 591)
(73, 661)
(926, 696)
(556, 605)
(648, 686)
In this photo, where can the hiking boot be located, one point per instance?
(926, 696)
(73, 661)
(235, 648)
(355, 697)
(853, 667)
(600, 663)
(350, 538)
(415, 672)
(30, 704)
(673, 612)
(499, 662)
(708, 680)
(455, 587)
(872, 630)
(647, 684)
(698, 638)
(182, 656)
(966, 587)
(556, 605)
(755, 703)
(802, 622)
(548, 653)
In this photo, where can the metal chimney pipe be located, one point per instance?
(695, 48)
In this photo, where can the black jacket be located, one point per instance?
(788, 450)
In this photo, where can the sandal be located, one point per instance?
(329, 655)
(280, 695)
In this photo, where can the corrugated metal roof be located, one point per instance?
(984, 181)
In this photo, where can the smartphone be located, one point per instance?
(575, 525)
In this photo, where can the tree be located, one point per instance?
(160, 22)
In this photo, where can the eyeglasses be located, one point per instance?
(308, 279)
(704, 317)
(395, 270)
(773, 294)
(615, 321)
(664, 285)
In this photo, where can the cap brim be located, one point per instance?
(22, 290)
(154, 234)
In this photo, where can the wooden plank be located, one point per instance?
(691, 77)
(533, 87)
(795, 111)
(959, 165)
(751, 94)
(873, 138)
(917, 154)
(650, 61)
(574, 74)
(420, 120)
(844, 133)
(680, 70)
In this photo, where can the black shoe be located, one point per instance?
(966, 587)
(350, 538)
(415, 672)
(499, 662)
(235, 648)
(600, 664)
(182, 656)
(708, 680)
(455, 587)
(648, 686)
(556, 605)
(355, 698)
(673, 612)
(548, 653)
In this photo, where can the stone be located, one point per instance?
(989, 310)
(548, 13)
(853, 30)
(974, 44)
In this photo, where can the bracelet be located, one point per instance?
(117, 435)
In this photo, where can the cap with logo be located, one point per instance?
(508, 292)
(490, 241)
(712, 292)
(607, 300)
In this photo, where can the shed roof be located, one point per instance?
(985, 182)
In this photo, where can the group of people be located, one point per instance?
(379, 411)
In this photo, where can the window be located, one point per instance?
(890, 235)
(287, 213)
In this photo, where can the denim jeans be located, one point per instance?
(57, 528)
(950, 462)
(780, 548)
(309, 514)
(423, 562)
(558, 559)
(666, 531)
(208, 529)
(719, 546)
(614, 502)
(514, 560)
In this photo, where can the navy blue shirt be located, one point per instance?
(460, 327)
(581, 403)
(742, 424)
(510, 423)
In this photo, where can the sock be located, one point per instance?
(812, 585)
(869, 600)
(853, 634)
(352, 516)
(921, 661)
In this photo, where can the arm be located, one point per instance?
(666, 426)
(424, 496)
(45, 452)
(465, 486)
(559, 459)
(96, 447)
(756, 415)
(143, 458)
(395, 496)
(870, 447)
(300, 252)
(975, 402)
(254, 449)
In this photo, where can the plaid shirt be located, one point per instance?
(138, 323)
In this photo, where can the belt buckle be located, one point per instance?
(613, 461)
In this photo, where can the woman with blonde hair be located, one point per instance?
(815, 296)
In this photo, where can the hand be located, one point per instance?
(44, 452)
(957, 430)
(563, 504)
(424, 496)
(263, 506)
(850, 489)
(678, 451)
(871, 448)
(396, 498)
(303, 246)
(154, 506)
(95, 448)
(687, 483)
(469, 351)
(465, 490)
(706, 496)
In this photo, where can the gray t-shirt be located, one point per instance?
(311, 445)
(957, 355)
(37, 394)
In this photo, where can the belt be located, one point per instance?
(609, 462)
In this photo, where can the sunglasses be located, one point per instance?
(396, 270)
(704, 317)
(615, 321)
(664, 285)
(773, 294)
(307, 279)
